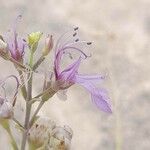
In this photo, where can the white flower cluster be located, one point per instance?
(45, 135)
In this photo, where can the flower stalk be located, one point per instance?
(28, 104)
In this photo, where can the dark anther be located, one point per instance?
(36, 125)
(75, 34)
(20, 16)
(76, 40)
(89, 43)
(76, 28)
(1, 38)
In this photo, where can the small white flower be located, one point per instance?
(61, 138)
(40, 131)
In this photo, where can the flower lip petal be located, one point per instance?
(99, 96)
(101, 101)
(91, 78)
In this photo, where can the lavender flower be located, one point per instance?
(39, 133)
(16, 45)
(69, 76)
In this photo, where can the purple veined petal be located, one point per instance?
(8, 38)
(99, 96)
(70, 72)
(11, 47)
(57, 64)
(101, 101)
(14, 31)
(90, 78)
(62, 95)
(15, 44)
(87, 85)
(21, 45)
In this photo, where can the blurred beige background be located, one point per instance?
(120, 30)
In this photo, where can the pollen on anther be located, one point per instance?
(89, 43)
(76, 40)
(75, 34)
(76, 28)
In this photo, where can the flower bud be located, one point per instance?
(33, 40)
(40, 132)
(48, 45)
(6, 110)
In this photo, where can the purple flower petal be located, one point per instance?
(70, 72)
(99, 96)
(16, 45)
(90, 78)
(101, 100)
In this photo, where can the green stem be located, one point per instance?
(36, 112)
(23, 88)
(31, 59)
(28, 111)
(28, 104)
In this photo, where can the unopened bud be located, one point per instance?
(33, 40)
(48, 45)
(6, 110)
(40, 132)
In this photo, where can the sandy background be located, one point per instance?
(120, 30)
